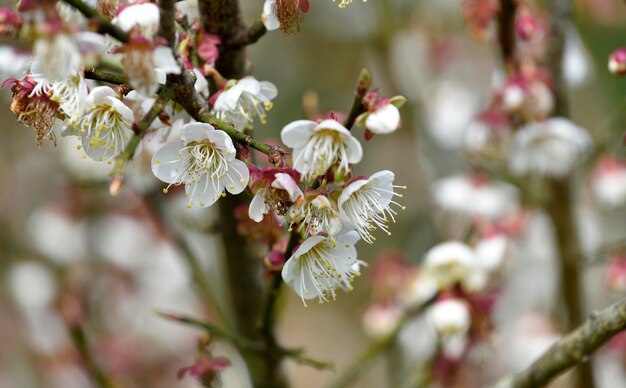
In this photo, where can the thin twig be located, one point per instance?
(219, 333)
(79, 339)
(103, 76)
(103, 23)
(573, 349)
(249, 36)
(506, 33)
(237, 136)
(121, 161)
(363, 83)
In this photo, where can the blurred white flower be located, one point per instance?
(58, 54)
(204, 160)
(577, 67)
(419, 289)
(105, 126)
(321, 264)
(383, 117)
(476, 195)
(244, 101)
(608, 181)
(318, 147)
(491, 251)
(146, 65)
(143, 16)
(365, 204)
(551, 148)
(452, 321)
(57, 235)
(449, 263)
(381, 319)
(32, 285)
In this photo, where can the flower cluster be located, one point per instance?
(315, 195)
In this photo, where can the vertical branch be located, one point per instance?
(506, 34)
(561, 204)
(167, 27)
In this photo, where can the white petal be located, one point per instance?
(167, 162)
(301, 283)
(258, 208)
(204, 192)
(195, 132)
(285, 182)
(236, 180)
(307, 245)
(297, 133)
(269, 17)
(335, 126)
(384, 120)
(99, 95)
(354, 150)
(164, 60)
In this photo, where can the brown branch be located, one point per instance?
(506, 33)
(561, 205)
(167, 26)
(573, 349)
(249, 36)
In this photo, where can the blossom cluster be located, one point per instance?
(315, 195)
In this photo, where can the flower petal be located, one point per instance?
(258, 208)
(195, 132)
(205, 192)
(297, 133)
(167, 162)
(236, 180)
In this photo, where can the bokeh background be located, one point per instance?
(68, 249)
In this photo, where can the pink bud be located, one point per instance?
(274, 261)
(617, 61)
(527, 26)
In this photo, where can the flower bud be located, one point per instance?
(527, 26)
(617, 61)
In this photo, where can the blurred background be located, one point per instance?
(69, 251)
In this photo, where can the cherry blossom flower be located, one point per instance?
(273, 191)
(142, 17)
(608, 181)
(449, 263)
(245, 100)
(321, 264)
(617, 61)
(204, 161)
(452, 321)
(320, 215)
(70, 93)
(365, 204)
(319, 146)
(551, 148)
(33, 105)
(105, 125)
(58, 54)
(476, 195)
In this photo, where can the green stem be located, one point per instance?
(103, 76)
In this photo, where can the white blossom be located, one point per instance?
(551, 148)
(321, 216)
(450, 263)
(365, 204)
(608, 182)
(384, 120)
(105, 125)
(317, 147)
(476, 196)
(204, 160)
(321, 264)
(244, 101)
(144, 16)
(58, 54)
(264, 200)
